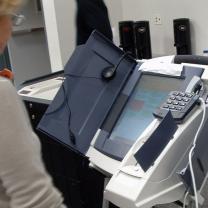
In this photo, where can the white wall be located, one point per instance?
(162, 35)
(65, 14)
(60, 31)
(115, 12)
(41, 52)
(65, 11)
(29, 56)
(63, 31)
(28, 47)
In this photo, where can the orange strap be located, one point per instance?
(7, 73)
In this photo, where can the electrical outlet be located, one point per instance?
(157, 20)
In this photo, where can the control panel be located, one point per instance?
(179, 103)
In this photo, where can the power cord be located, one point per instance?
(66, 98)
(191, 153)
(127, 53)
(185, 198)
(71, 134)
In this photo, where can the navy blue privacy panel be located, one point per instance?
(84, 100)
(152, 148)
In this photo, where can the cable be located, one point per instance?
(66, 99)
(84, 77)
(71, 134)
(121, 59)
(72, 137)
(64, 91)
(184, 200)
(191, 152)
(114, 67)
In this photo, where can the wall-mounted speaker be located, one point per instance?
(182, 36)
(142, 40)
(126, 34)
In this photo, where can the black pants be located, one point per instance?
(92, 15)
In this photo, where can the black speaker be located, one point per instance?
(142, 40)
(126, 34)
(182, 36)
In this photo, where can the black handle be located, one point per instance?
(191, 59)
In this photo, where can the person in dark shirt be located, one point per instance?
(92, 15)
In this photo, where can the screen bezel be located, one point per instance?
(118, 149)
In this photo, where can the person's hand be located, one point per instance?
(7, 73)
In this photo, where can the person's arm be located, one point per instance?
(92, 15)
(22, 172)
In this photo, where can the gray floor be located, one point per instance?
(204, 194)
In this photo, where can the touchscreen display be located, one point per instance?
(149, 93)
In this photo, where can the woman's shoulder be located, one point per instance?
(8, 93)
(5, 83)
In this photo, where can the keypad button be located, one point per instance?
(169, 101)
(185, 99)
(175, 102)
(189, 95)
(165, 106)
(172, 97)
(172, 107)
(179, 108)
(178, 98)
(182, 94)
(176, 93)
(182, 103)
